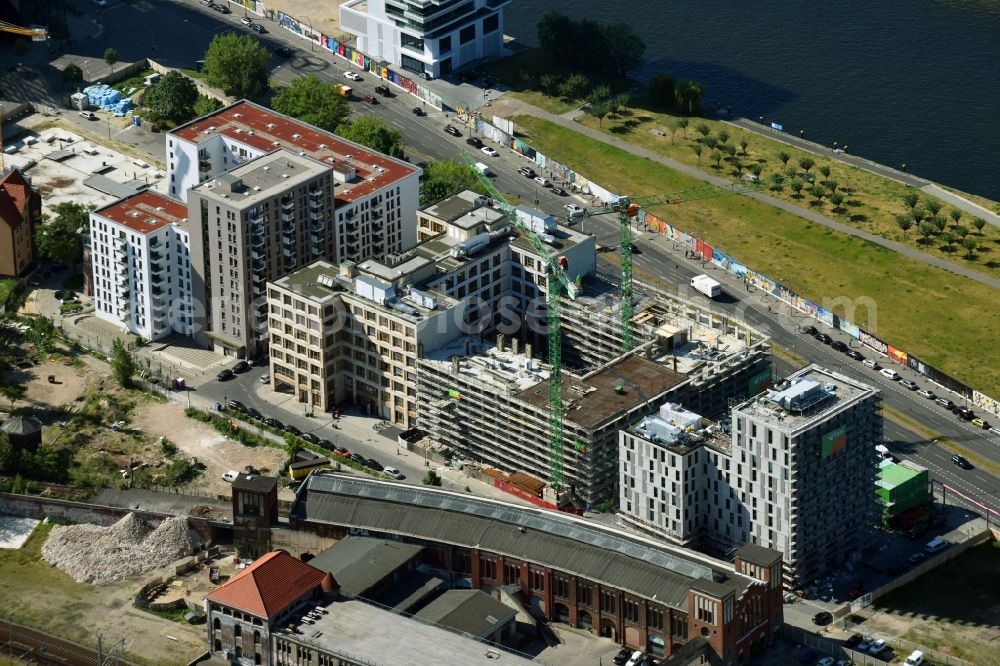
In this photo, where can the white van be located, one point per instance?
(936, 546)
(890, 373)
(870, 363)
(883, 451)
(916, 658)
(483, 169)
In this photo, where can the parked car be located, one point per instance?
(855, 354)
(358, 458)
(877, 648)
(353, 76)
(393, 473)
(810, 330)
(527, 172)
(274, 423)
(265, 379)
(241, 367)
(258, 28)
(451, 129)
(916, 558)
(327, 444)
(559, 191)
(865, 644)
(371, 99)
(475, 142)
(489, 151)
(573, 210)
(838, 346)
(311, 438)
(926, 393)
(826, 661)
(237, 405)
(871, 364)
(961, 461)
(341, 451)
(384, 91)
(417, 111)
(980, 423)
(634, 659)
(543, 181)
(88, 115)
(822, 618)
(824, 338)
(225, 375)
(995, 430)
(945, 402)
(622, 656)
(222, 9)
(854, 640)
(284, 52)
(907, 384)
(247, 21)
(965, 413)
(230, 476)
(889, 373)
(374, 464)
(254, 414)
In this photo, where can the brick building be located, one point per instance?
(255, 512)
(20, 215)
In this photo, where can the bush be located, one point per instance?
(169, 448)
(431, 479)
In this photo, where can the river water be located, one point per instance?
(913, 82)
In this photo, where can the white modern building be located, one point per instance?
(142, 267)
(432, 37)
(794, 474)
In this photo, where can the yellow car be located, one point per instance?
(981, 423)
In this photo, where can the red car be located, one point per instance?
(371, 100)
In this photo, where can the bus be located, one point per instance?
(301, 469)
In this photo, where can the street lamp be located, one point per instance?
(312, 32)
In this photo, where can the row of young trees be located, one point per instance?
(928, 219)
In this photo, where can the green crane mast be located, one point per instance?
(556, 281)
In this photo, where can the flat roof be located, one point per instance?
(305, 281)
(357, 563)
(604, 554)
(891, 474)
(483, 361)
(260, 178)
(266, 130)
(256, 482)
(469, 611)
(358, 629)
(594, 398)
(145, 212)
(453, 207)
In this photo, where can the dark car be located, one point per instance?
(855, 354)
(822, 619)
(374, 464)
(838, 345)
(854, 640)
(237, 405)
(961, 462)
(474, 142)
(293, 430)
(559, 191)
(946, 403)
(254, 414)
(384, 91)
(454, 131)
(622, 657)
(284, 52)
(370, 99)
(417, 111)
(965, 413)
(241, 367)
(358, 458)
(225, 375)
(810, 330)
(258, 28)
(274, 423)
(527, 172)
(222, 9)
(808, 657)
(824, 338)
(326, 444)
(311, 438)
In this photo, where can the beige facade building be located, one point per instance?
(20, 215)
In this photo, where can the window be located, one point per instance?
(560, 587)
(411, 42)
(491, 23)
(584, 595)
(630, 610)
(607, 601)
(487, 568)
(467, 34)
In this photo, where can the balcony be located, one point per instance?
(155, 256)
(258, 265)
(287, 217)
(378, 248)
(315, 195)
(315, 216)
(352, 238)
(257, 240)
(258, 290)
(155, 278)
(288, 229)
(287, 205)
(351, 227)
(121, 278)
(288, 252)
(352, 248)
(317, 236)
(154, 243)
(256, 254)
(290, 264)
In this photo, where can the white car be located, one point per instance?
(573, 210)
(489, 151)
(101, 3)
(246, 20)
(265, 379)
(543, 181)
(825, 661)
(393, 473)
(352, 76)
(230, 476)
(88, 115)
(877, 648)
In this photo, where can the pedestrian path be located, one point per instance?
(513, 106)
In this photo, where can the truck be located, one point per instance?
(345, 91)
(706, 285)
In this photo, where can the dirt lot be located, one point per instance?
(42, 596)
(71, 380)
(953, 610)
(197, 439)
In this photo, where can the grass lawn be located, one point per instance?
(943, 319)
(521, 73)
(949, 608)
(872, 204)
(135, 81)
(7, 288)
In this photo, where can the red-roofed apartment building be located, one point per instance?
(20, 214)
(243, 611)
(142, 267)
(268, 194)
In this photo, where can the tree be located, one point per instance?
(445, 178)
(756, 169)
(825, 170)
(960, 231)
(832, 185)
(311, 100)
(926, 229)
(939, 223)
(947, 241)
(696, 147)
(784, 157)
(688, 97)
(622, 47)
(41, 334)
(703, 129)
(13, 393)
(599, 94)
(173, 97)
(743, 146)
(206, 105)
(122, 363)
(21, 47)
(723, 137)
(660, 91)
(111, 57)
(373, 132)
(238, 64)
(955, 215)
(682, 125)
(911, 199)
(61, 238)
(573, 86)
(933, 205)
(818, 192)
(555, 33)
(711, 142)
(72, 74)
(8, 457)
(806, 163)
(796, 186)
(547, 81)
(716, 157)
(978, 223)
(836, 198)
(599, 110)
(970, 245)
(431, 479)
(904, 223)
(527, 77)
(918, 214)
(620, 102)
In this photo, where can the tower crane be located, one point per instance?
(37, 34)
(627, 208)
(556, 282)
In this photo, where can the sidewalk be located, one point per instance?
(511, 106)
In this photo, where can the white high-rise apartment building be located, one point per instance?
(795, 473)
(142, 267)
(431, 37)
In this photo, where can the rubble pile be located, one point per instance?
(129, 548)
